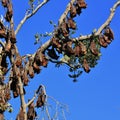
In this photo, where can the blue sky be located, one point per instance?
(96, 96)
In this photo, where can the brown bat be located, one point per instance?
(81, 4)
(8, 46)
(71, 23)
(77, 50)
(20, 115)
(102, 41)
(109, 33)
(86, 66)
(93, 48)
(73, 11)
(4, 3)
(31, 114)
(41, 99)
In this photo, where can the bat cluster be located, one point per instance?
(61, 42)
(9, 13)
(10, 40)
(39, 60)
(31, 114)
(26, 70)
(8, 35)
(77, 7)
(67, 47)
(41, 97)
(4, 97)
(106, 38)
(20, 68)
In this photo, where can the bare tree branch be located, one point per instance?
(47, 112)
(23, 104)
(59, 105)
(63, 113)
(107, 22)
(27, 16)
(12, 23)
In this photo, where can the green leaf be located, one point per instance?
(51, 22)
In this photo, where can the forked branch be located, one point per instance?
(105, 24)
(27, 16)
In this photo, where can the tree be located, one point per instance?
(80, 53)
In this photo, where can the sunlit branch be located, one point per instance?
(23, 104)
(63, 16)
(27, 16)
(12, 23)
(105, 24)
(31, 100)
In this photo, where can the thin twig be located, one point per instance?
(31, 100)
(57, 102)
(107, 22)
(63, 113)
(47, 112)
(27, 16)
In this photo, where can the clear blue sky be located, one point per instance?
(96, 96)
